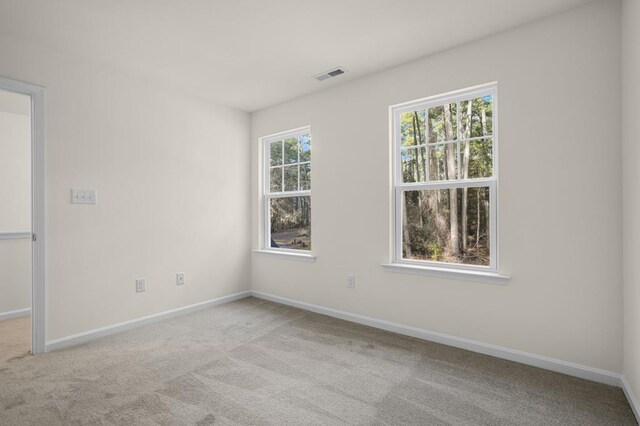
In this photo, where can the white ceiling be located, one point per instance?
(250, 54)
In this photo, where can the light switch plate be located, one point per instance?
(180, 278)
(84, 196)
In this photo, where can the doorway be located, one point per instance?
(22, 254)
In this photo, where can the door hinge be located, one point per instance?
(34, 237)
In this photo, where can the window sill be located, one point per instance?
(304, 257)
(453, 274)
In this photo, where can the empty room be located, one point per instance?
(296, 212)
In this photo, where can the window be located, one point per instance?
(287, 191)
(444, 180)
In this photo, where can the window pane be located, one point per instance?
(443, 162)
(482, 117)
(291, 222)
(412, 128)
(413, 164)
(291, 178)
(447, 225)
(443, 123)
(305, 148)
(480, 158)
(476, 117)
(275, 179)
(486, 115)
(305, 176)
(276, 153)
(291, 150)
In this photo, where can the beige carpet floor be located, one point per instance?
(256, 362)
(15, 338)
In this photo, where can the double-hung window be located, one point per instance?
(445, 180)
(287, 191)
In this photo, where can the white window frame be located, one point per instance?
(267, 195)
(398, 263)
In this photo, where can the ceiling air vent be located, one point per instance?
(329, 74)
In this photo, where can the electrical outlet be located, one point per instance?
(180, 278)
(84, 196)
(141, 285)
(351, 281)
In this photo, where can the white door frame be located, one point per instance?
(38, 257)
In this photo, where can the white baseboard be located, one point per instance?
(15, 314)
(633, 401)
(86, 336)
(564, 367)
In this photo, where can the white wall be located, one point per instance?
(15, 193)
(631, 190)
(171, 176)
(559, 191)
